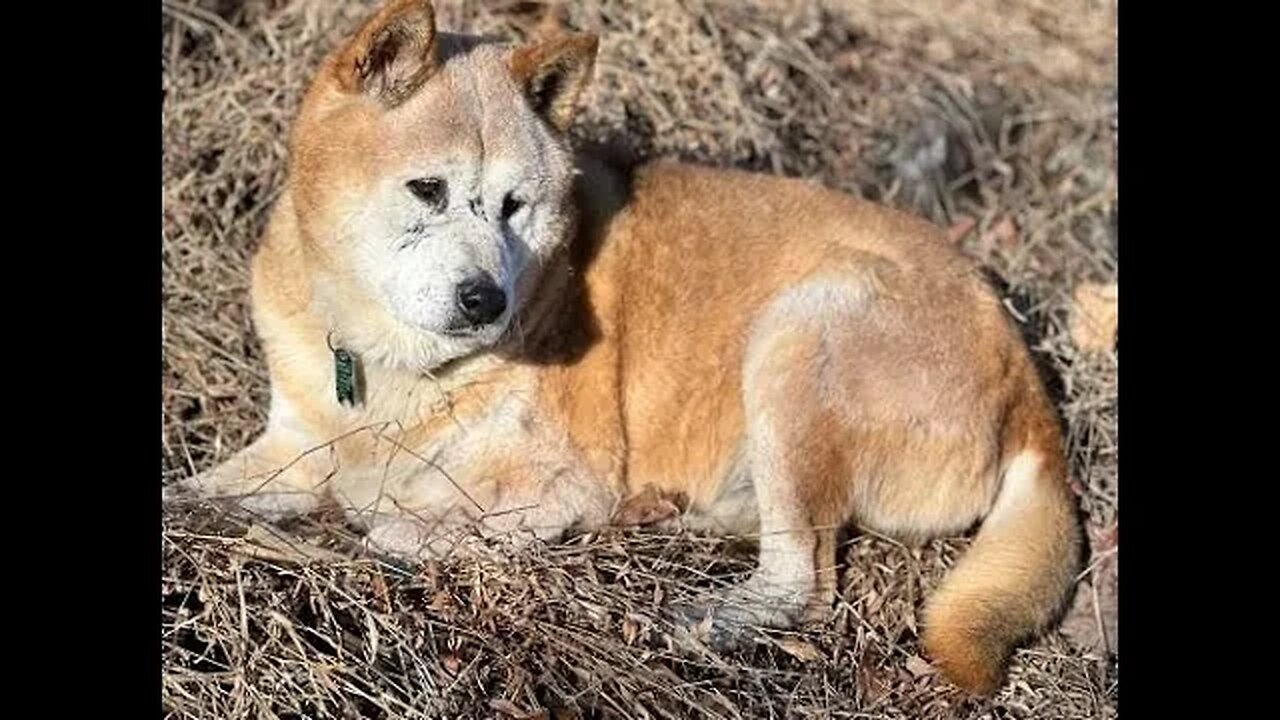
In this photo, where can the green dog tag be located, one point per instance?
(346, 379)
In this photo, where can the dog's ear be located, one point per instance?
(554, 73)
(393, 54)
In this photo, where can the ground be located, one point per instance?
(996, 119)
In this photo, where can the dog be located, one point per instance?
(468, 323)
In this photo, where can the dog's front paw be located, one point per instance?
(413, 541)
(260, 500)
(185, 492)
(404, 540)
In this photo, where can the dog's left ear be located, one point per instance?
(553, 75)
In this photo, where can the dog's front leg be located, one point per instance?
(275, 477)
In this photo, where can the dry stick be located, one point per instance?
(193, 16)
(235, 361)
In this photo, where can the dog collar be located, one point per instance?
(346, 377)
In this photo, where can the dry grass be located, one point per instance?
(991, 114)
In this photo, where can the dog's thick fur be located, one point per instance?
(783, 358)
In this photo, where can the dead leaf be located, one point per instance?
(442, 602)
(648, 507)
(1003, 233)
(1109, 538)
(703, 628)
(800, 650)
(918, 666)
(630, 630)
(431, 573)
(873, 601)
(961, 228)
(1095, 316)
(452, 663)
(379, 587)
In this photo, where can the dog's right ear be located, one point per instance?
(393, 54)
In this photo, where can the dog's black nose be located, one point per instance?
(480, 300)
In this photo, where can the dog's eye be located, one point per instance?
(510, 206)
(432, 191)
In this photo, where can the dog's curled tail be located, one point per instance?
(1014, 578)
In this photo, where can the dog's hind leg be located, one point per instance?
(797, 456)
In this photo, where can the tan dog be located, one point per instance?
(465, 321)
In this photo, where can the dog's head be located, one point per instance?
(432, 181)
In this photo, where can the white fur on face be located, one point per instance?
(411, 256)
